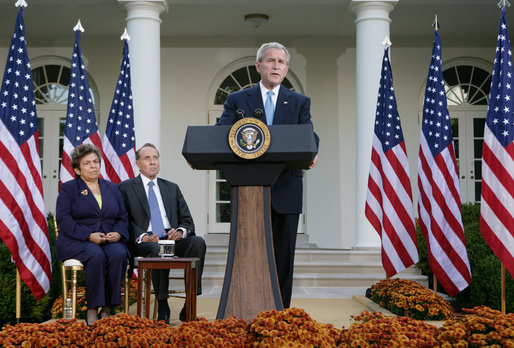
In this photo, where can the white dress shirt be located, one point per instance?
(165, 220)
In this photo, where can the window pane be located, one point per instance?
(40, 99)
(478, 127)
(455, 127)
(222, 191)
(486, 86)
(473, 92)
(478, 169)
(65, 76)
(254, 74)
(220, 97)
(37, 76)
(479, 75)
(478, 143)
(478, 191)
(41, 127)
(241, 75)
(464, 72)
(223, 212)
(229, 85)
(52, 72)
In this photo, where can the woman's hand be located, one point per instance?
(97, 237)
(113, 237)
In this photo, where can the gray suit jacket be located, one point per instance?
(136, 204)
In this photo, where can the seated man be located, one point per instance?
(157, 210)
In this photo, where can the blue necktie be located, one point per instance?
(269, 108)
(155, 212)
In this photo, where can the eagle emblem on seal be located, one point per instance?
(249, 139)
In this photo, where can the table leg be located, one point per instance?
(193, 305)
(139, 290)
(188, 292)
(148, 277)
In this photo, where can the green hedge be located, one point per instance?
(31, 310)
(485, 267)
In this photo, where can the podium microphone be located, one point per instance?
(258, 113)
(240, 113)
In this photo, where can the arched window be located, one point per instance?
(467, 84)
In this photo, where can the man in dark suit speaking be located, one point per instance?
(276, 104)
(157, 210)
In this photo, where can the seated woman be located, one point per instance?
(94, 229)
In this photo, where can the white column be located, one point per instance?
(144, 29)
(372, 24)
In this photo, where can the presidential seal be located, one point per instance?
(249, 138)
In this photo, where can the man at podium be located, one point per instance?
(274, 104)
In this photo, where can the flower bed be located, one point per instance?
(479, 327)
(377, 330)
(408, 298)
(292, 327)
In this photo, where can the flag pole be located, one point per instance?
(18, 296)
(435, 24)
(503, 292)
(19, 3)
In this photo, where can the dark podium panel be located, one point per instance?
(250, 285)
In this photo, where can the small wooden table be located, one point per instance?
(189, 265)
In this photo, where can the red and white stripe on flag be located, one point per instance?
(497, 204)
(117, 168)
(23, 216)
(440, 217)
(23, 226)
(389, 206)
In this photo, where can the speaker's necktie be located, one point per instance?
(155, 212)
(269, 108)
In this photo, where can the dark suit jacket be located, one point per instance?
(291, 108)
(136, 203)
(78, 215)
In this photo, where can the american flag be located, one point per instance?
(23, 226)
(81, 124)
(119, 145)
(497, 207)
(438, 186)
(389, 206)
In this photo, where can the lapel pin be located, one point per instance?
(84, 192)
(285, 102)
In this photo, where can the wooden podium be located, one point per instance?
(250, 285)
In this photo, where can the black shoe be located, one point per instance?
(166, 318)
(182, 315)
(163, 311)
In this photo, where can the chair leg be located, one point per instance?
(155, 304)
(127, 292)
(64, 287)
(74, 293)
